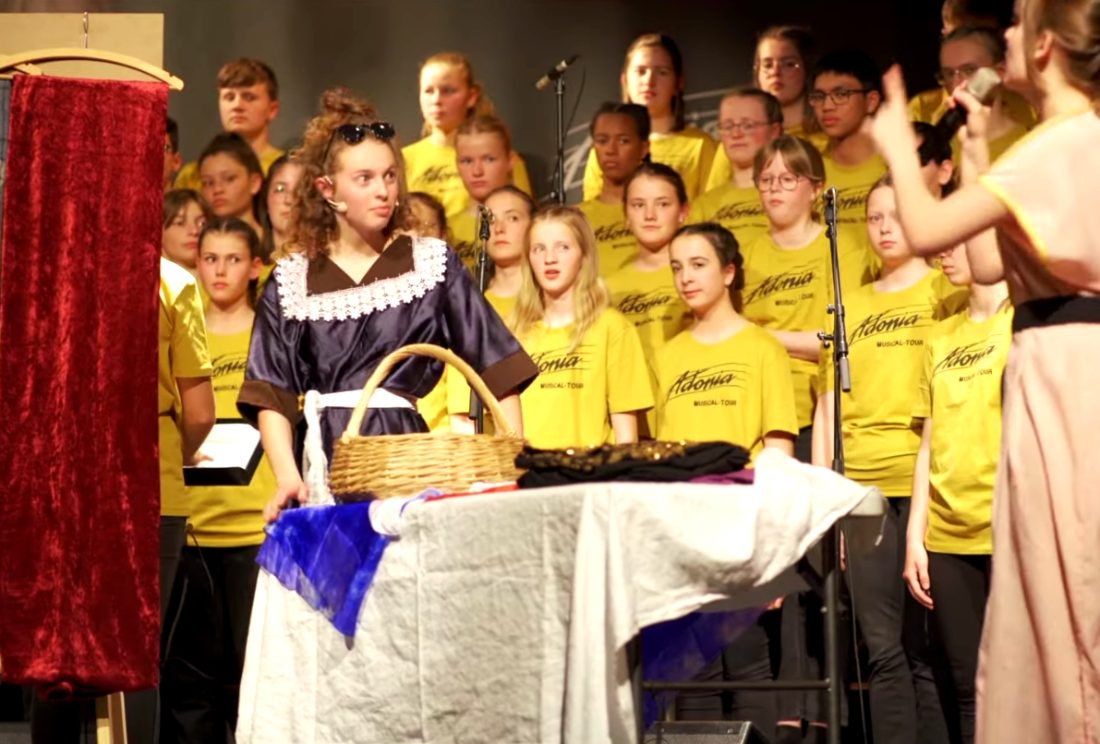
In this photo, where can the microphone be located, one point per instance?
(340, 207)
(484, 220)
(556, 72)
(981, 85)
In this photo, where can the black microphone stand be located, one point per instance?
(559, 168)
(842, 382)
(484, 230)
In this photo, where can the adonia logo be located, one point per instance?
(642, 303)
(562, 360)
(888, 321)
(703, 380)
(228, 364)
(783, 282)
(966, 356)
(608, 233)
(438, 174)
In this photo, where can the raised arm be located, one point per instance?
(931, 225)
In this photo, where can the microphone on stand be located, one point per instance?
(555, 72)
(981, 85)
(485, 221)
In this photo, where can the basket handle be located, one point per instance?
(435, 352)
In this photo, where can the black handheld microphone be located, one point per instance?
(555, 72)
(981, 85)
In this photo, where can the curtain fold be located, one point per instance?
(79, 512)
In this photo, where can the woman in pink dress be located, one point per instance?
(1039, 671)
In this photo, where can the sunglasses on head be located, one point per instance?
(353, 134)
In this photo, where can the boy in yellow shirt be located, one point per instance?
(846, 90)
(620, 139)
(248, 101)
(748, 119)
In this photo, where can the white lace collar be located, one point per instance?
(429, 258)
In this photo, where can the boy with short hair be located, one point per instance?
(248, 101)
(846, 90)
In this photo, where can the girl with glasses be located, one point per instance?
(593, 381)
(360, 288)
(279, 194)
(788, 274)
(781, 65)
(653, 76)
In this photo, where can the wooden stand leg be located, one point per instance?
(110, 719)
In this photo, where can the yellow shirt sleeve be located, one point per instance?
(720, 170)
(188, 352)
(628, 380)
(777, 391)
(593, 177)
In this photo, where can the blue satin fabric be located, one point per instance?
(678, 650)
(327, 554)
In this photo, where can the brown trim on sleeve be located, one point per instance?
(512, 374)
(257, 395)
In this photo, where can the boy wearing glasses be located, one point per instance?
(620, 139)
(846, 89)
(248, 101)
(748, 119)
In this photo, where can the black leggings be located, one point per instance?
(960, 586)
(204, 656)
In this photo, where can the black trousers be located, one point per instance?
(904, 695)
(960, 586)
(200, 684)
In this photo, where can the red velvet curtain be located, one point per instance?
(79, 510)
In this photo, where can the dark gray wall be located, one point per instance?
(374, 47)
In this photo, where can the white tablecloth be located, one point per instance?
(505, 617)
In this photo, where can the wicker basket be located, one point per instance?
(406, 464)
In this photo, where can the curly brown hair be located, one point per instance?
(313, 223)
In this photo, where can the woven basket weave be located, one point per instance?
(406, 464)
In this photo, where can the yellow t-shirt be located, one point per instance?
(181, 352)
(790, 289)
(188, 176)
(886, 343)
(737, 209)
(230, 516)
(464, 239)
(852, 185)
(570, 403)
(735, 391)
(433, 169)
(457, 399)
(960, 389)
(616, 243)
(930, 106)
(721, 171)
(649, 300)
(997, 147)
(689, 152)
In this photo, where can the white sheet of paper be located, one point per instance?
(230, 445)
